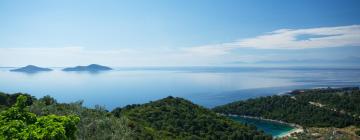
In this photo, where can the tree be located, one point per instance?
(48, 100)
(18, 122)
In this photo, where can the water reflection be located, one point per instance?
(205, 86)
(30, 72)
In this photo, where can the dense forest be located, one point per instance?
(168, 118)
(310, 108)
(26, 117)
(176, 118)
(344, 100)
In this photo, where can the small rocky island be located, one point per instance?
(31, 69)
(89, 68)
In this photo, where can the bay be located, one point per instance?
(269, 127)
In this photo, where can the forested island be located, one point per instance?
(30, 69)
(89, 68)
(323, 113)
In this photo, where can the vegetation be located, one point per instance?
(310, 108)
(25, 117)
(8, 100)
(176, 118)
(345, 100)
(328, 133)
(18, 122)
(357, 132)
(95, 123)
(169, 118)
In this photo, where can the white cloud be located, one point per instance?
(213, 54)
(323, 37)
(288, 38)
(341, 36)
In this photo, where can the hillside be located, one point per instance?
(176, 118)
(310, 108)
(97, 123)
(168, 118)
(343, 100)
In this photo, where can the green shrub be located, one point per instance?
(18, 122)
(48, 100)
(357, 132)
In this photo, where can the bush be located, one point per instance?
(357, 132)
(48, 100)
(18, 122)
(96, 123)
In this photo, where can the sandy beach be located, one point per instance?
(288, 134)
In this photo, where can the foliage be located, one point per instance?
(48, 100)
(176, 118)
(95, 123)
(169, 118)
(297, 109)
(7, 100)
(18, 123)
(357, 132)
(327, 133)
(345, 101)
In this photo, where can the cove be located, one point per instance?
(269, 127)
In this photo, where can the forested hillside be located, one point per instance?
(344, 100)
(311, 108)
(168, 118)
(176, 118)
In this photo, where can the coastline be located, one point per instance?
(289, 133)
(297, 128)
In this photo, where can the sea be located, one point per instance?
(205, 86)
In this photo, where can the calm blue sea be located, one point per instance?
(207, 86)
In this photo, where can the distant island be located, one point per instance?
(31, 69)
(89, 68)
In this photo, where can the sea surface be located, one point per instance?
(272, 128)
(206, 86)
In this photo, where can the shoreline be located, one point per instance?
(289, 133)
(297, 128)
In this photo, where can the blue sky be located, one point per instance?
(178, 33)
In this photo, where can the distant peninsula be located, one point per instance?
(90, 68)
(31, 69)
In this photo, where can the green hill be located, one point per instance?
(310, 108)
(176, 118)
(345, 100)
(168, 118)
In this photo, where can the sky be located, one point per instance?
(180, 32)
